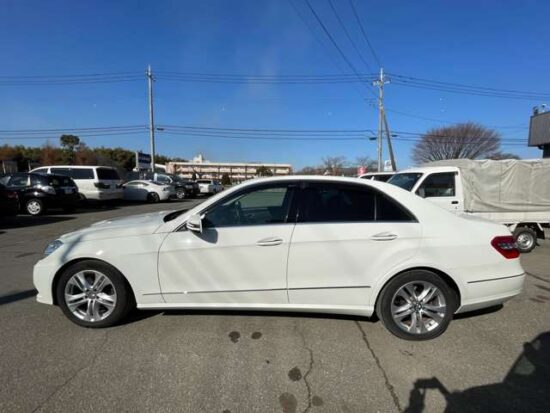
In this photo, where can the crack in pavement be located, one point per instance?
(309, 370)
(389, 386)
(90, 364)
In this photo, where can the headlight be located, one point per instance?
(52, 246)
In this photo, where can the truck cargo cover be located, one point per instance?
(503, 186)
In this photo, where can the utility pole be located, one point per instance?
(390, 146)
(150, 79)
(380, 83)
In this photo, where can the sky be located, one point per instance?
(499, 44)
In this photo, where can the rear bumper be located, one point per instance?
(104, 195)
(491, 291)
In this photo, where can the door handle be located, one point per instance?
(454, 202)
(383, 236)
(270, 241)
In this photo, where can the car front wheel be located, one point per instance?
(93, 294)
(180, 194)
(34, 206)
(417, 305)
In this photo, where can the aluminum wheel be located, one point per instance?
(418, 307)
(525, 241)
(90, 295)
(34, 207)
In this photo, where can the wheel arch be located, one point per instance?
(443, 275)
(60, 271)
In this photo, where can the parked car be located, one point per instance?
(9, 202)
(319, 244)
(183, 188)
(378, 176)
(512, 192)
(37, 192)
(96, 183)
(149, 191)
(209, 186)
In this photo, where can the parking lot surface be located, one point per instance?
(190, 361)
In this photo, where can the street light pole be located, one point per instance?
(380, 83)
(149, 74)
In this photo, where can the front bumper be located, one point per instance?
(42, 277)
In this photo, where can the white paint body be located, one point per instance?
(337, 267)
(209, 186)
(139, 190)
(111, 188)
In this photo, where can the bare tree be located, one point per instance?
(503, 155)
(333, 165)
(367, 162)
(464, 140)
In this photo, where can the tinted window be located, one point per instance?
(163, 178)
(260, 206)
(107, 173)
(204, 181)
(405, 181)
(19, 180)
(56, 181)
(61, 171)
(389, 210)
(382, 178)
(337, 203)
(437, 185)
(82, 173)
(40, 171)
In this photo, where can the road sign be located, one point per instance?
(143, 161)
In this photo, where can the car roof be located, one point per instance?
(74, 166)
(430, 169)
(378, 173)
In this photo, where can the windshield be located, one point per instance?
(405, 180)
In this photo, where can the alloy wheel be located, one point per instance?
(418, 307)
(34, 207)
(90, 295)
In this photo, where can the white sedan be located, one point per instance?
(320, 244)
(150, 191)
(209, 186)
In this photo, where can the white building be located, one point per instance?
(237, 171)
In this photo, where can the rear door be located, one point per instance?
(108, 179)
(441, 188)
(347, 236)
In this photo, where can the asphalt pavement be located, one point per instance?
(199, 361)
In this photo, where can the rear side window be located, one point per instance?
(437, 185)
(107, 173)
(19, 180)
(337, 203)
(330, 202)
(82, 173)
(57, 181)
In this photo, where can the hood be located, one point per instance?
(133, 225)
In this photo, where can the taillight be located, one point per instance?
(506, 246)
(11, 194)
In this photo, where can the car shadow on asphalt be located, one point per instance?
(20, 295)
(524, 389)
(21, 221)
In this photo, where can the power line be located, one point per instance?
(349, 36)
(364, 32)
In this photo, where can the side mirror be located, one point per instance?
(194, 223)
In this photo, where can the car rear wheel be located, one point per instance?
(180, 193)
(93, 294)
(526, 239)
(153, 197)
(417, 305)
(34, 206)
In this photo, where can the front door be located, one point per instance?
(441, 189)
(347, 236)
(241, 255)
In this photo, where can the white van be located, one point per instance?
(98, 183)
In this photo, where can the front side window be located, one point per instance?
(326, 202)
(260, 206)
(437, 185)
(61, 171)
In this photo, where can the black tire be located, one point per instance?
(153, 197)
(34, 206)
(388, 295)
(180, 194)
(124, 297)
(526, 239)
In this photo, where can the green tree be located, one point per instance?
(226, 180)
(69, 143)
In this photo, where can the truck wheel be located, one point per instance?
(526, 239)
